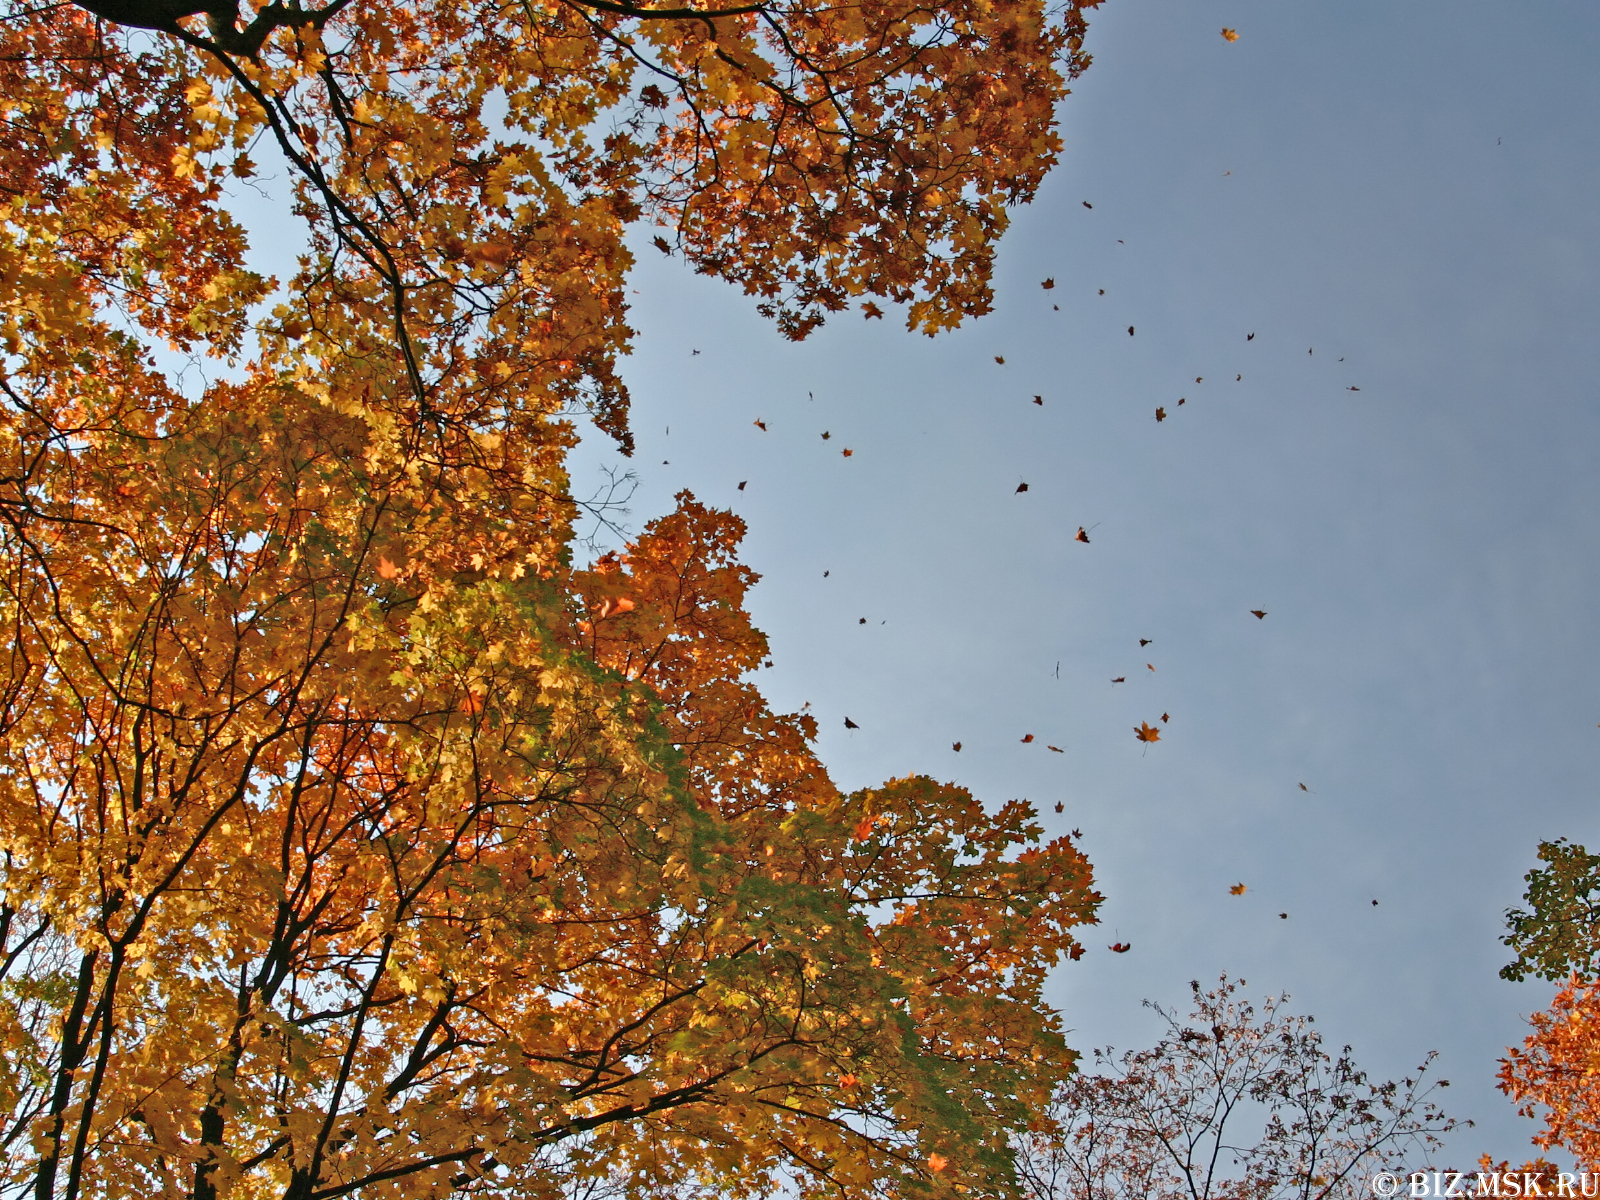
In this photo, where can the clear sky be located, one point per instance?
(1400, 196)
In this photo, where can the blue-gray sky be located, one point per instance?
(1408, 189)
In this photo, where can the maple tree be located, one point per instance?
(1551, 1075)
(355, 841)
(1557, 937)
(1228, 1103)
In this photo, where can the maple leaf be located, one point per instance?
(847, 453)
(956, 746)
(848, 1081)
(871, 311)
(1237, 889)
(1059, 806)
(1163, 718)
(1048, 284)
(1230, 35)
(937, 1163)
(1146, 732)
(826, 435)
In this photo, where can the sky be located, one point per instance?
(1395, 196)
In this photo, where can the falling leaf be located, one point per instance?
(1130, 330)
(1086, 204)
(1146, 732)
(1161, 415)
(1238, 378)
(1180, 401)
(1077, 833)
(1021, 487)
(1163, 718)
(1038, 400)
(661, 244)
(849, 724)
(1028, 738)
(1058, 750)
(1352, 389)
(761, 425)
(1059, 806)
(826, 435)
(847, 453)
(1304, 788)
(1284, 916)
(1374, 904)
(1120, 947)
(1230, 35)
(1249, 337)
(863, 621)
(1001, 359)
(1075, 953)
(1102, 291)
(742, 482)
(1120, 679)
(1199, 378)
(1258, 614)
(956, 746)
(1145, 642)
(1238, 889)
(869, 311)
(1048, 283)
(1149, 666)
(1082, 536)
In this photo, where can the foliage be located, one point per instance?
(1551, 1077)
(356, 843)
(1559, 933)
(1229, 1103)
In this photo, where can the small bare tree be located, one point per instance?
(1228, 1105)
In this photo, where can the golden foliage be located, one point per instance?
(355, 843)
(1552, 1075)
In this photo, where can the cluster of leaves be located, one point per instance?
(1229, 1103)
(354, 842)
(1558, 934)
(1552, 1074)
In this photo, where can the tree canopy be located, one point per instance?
(356, 840)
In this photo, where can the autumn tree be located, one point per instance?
(1229, 1104)
(1551, 1076)
(355, 842)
